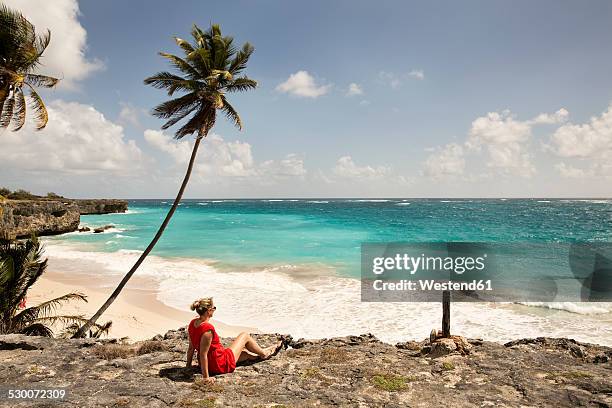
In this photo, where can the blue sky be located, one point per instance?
(471, 98)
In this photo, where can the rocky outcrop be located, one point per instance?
(87, 207)
(22, 218)
(352, 371)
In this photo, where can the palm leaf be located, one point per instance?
(241, 84)
(19, 115)
(41, 80)
(169, 108)
(39, 108)
(7, 111)
(171, 82)
(231, 113)
(181, 65)
(184, 45)
(239, 62)
(46, 308)
(37, 329)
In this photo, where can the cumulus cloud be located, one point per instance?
(448, 162)
(65, 57)
(77, 140)
(354, 89)
(587, 140)
(559, 116)
(217, 157)
(347, 168)
(506, 141)
(303, 85)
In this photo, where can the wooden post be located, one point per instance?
(446, 313)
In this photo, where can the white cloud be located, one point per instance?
(559, 116)
(506, 141)
(569, 171)
(448, 162)
(216, 157)
(77, 140)
(291, 166)
(129, 114)
(65, 56)
(395, 81)
(417, 74)
(591, 140)
(354, 89)
(347, 168)
(302, 84)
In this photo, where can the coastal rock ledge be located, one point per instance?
(22, 218)
(353, 371)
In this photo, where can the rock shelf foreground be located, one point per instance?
(353, 371)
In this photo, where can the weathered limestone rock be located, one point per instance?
(102, 206)
(22, 218)
(102, 229)
(352, 371)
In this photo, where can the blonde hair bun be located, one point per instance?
(202, 305)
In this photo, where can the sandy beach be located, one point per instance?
(136, 313)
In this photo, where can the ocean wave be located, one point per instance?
(582, 308)
(318, 202)
(369, 201)
(402, 204)
(202, 203)
(293, 299)
(544, 201)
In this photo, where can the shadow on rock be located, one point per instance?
(181, 374)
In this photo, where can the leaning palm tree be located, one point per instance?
(20, 54)
(212, 67)
(21, 265)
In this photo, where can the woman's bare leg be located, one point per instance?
(245, 341)
(247, 356)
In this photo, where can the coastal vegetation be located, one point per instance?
(21, 50)
(21, 264)
(211, 68)
(26, 195)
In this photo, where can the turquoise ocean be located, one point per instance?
(292, 266)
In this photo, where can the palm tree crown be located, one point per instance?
(211, 68)
(20, 53)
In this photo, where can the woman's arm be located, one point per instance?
(189, 354)
(203, 352)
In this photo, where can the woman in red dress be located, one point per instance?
(213, 357)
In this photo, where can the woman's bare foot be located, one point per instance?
(272, 350)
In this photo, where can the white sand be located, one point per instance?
(136, 313)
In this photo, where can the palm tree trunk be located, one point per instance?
(81, 332)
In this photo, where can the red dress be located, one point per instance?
(220, 360)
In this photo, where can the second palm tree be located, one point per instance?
(212, 67)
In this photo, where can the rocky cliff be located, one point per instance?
(22, 218)
(353, 371)
(87, 207)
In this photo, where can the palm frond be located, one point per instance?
(231, 113)
(19, 115)
(39, 108)
(46, 308)
(37, 329)
(171, 82)
(239, 63)
(181, 65)
(169, 108)
(240, 85)
(7, 111)
(184, 45)
(201, 122)
(41, 80)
